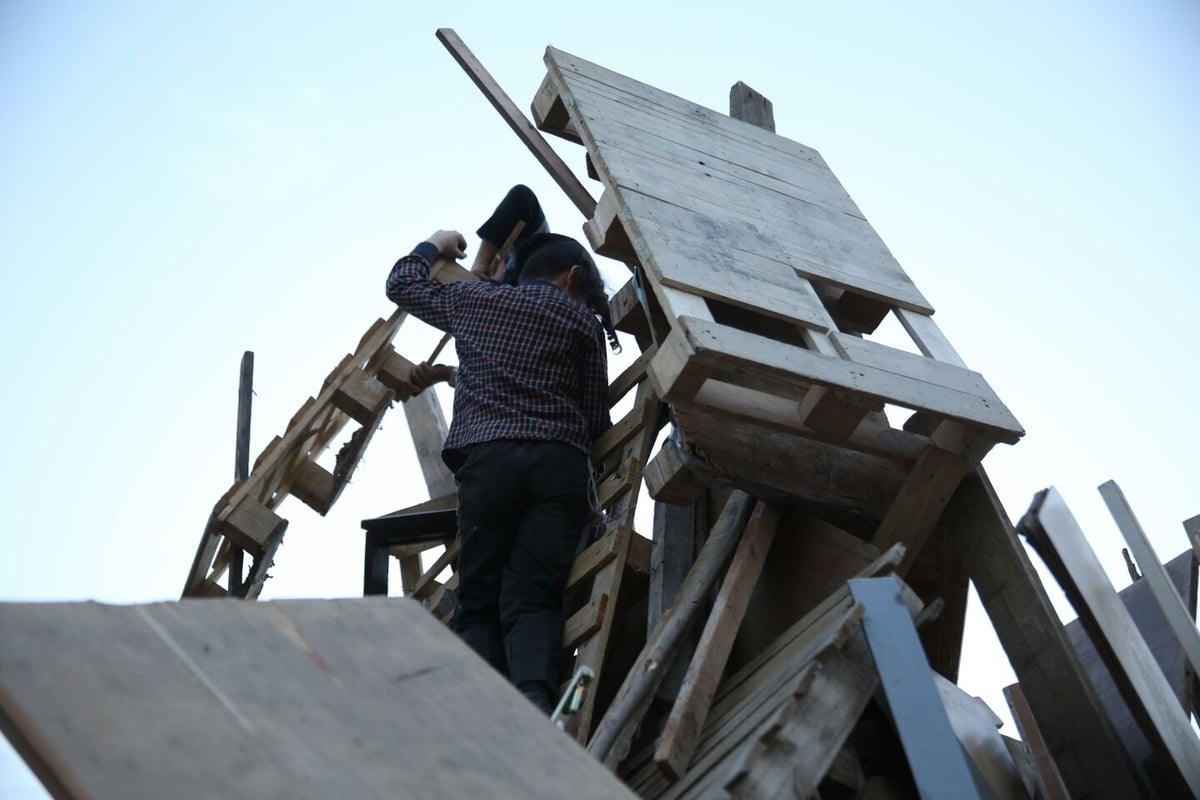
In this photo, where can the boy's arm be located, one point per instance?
(409, 286)
(595, 388)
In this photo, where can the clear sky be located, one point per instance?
(180, 182)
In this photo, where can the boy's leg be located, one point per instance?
(531, 593)
(488, 512)
(519, 205)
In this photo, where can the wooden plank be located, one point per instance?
(810, 559)
(292, 698)
(976, 727)
(597, 555)
(517, 121)
(780, 741)
(549, 113)
(1050, 782)
(600, 111)
(677, 741)
(630, 377)
(772, 413)
(625, 710)
(427, 424)
(585, 622)
(1145, 758)
(750, 106)
(622, 431)
(424, 585)
(1064, 547)
(1079, 735)
(938, 373)
(718, 257)
(919, 503)
(811, 473)
(362, 397)
(928, 336)
(1178, 618)
(714, 350)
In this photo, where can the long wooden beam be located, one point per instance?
(519, 123)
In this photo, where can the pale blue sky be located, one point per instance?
(180, 182)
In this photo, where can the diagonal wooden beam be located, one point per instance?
(519, 123)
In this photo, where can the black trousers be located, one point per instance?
(522, 508)
(520, 204)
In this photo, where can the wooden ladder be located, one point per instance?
(359, 390)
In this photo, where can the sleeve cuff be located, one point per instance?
(427, 251)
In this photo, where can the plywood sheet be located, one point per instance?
(643, 139)
(302, 698)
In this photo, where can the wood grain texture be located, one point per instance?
(677, 742)
(639, 137)
(1078, 734)
(361, 698)
(1114, 633)
(1181, 621)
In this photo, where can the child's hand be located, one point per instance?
(425, 375)
(450, 244)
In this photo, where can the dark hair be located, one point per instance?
(548, 255)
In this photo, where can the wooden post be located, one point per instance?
(750, 106)
(241, 466)
(634, 694)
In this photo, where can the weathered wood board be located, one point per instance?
(367, 698)
(1078, 735)
(1050, 524)
(668, 158)
(1168, 654)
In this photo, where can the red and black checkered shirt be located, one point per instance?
(531, 361)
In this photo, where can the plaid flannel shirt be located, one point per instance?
(532, 363)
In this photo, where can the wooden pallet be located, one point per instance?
(768, 279)
(359, 391)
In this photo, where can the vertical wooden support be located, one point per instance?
(678, 533)
(241, 462)
(750, 106)
(427, 424)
